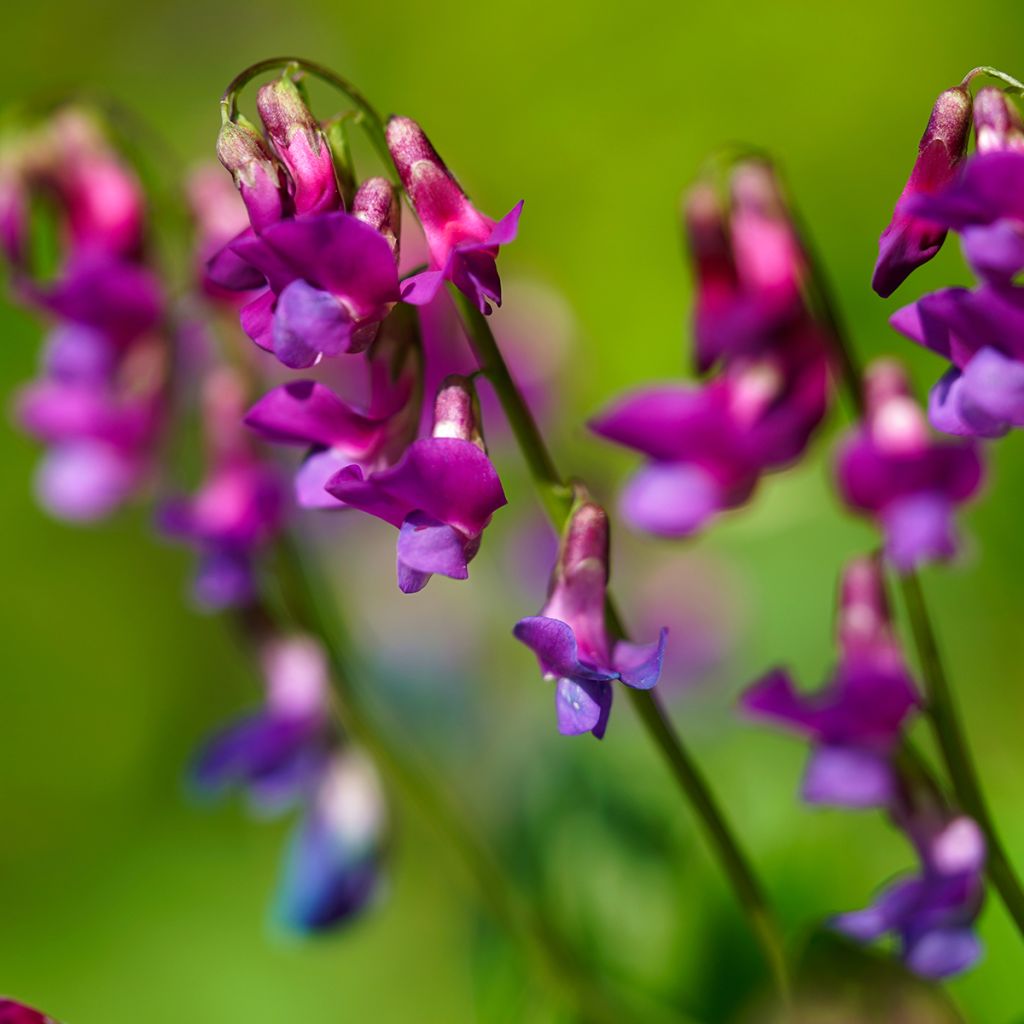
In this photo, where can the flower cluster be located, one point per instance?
(289, 753)
(570, 635)
(856, 725)
(709, 443)
(979, 197)
(98, 403)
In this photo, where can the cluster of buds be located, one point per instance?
(319, 264)
(709, 443)
(978, 196)
(290, 754)
(99, 402)
(856, 724)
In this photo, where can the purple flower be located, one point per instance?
(912, 238)
(855, 722)
(570, 635)
(463, 243)
(236, 511)
(931, 912)
(337, 434)
(997, 122)
(332, 868)
(12, 1012)
(709, 443)
(280, 752)
(891, 469)
(440, 494)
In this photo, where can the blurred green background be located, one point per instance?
(121, 902)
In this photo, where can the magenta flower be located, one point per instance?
(440, 494)
(463, 243)
(279, 753)
(889, 468)
(337, 434)
(255, 171)
(12, 1012)
(332, 870)
(856, 721)
(911, 238)
(570, 635)
(238, 509)
(932, 913)
(709, 443)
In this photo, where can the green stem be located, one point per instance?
(313, 606)
(370, 119)
(995, 73)
(556, 498)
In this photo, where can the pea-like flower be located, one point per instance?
(440, 495)
(463, 243)
(856, 721)
(570, 636)
(891, 469)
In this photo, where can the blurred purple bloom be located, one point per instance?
(440, 495)
(463, 243)
(570, 635)
(333, 865)
(931, 912)
(892, 470)
(912, 238)
(855, 722)
(12, 1012)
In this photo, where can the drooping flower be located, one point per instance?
(278, 753)
(237, 510)
(856, 721)
(932, 912)
(440, 494)
(338, 434)
(332, 870)
(463, 243)
(255, 171)
(571, 638)
(912, 239)
(709, 443)
(892, 470)
(12, 1012)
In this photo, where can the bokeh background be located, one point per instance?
(121, 901)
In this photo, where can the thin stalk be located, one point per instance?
(313, 606)
(941, 707)
(556, 497)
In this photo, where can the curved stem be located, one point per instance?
(370, 119)
(995, 73)
(556, 498)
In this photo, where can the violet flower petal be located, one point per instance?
(582, 705)
(308, 323)
(919, 529)
(428, 546)
(554, 643)
(639, 665)
(843, 776)
(943, 952)
(671, 499)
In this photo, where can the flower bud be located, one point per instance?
(244, 152)
(908, 241)
(376, 203)
(301, 145)
(896, 422)
(863, 607)
(997, 123)
(457, 411)
(586, 541)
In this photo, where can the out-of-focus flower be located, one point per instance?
(220, 217)
(570, 635)
(463, 243)
(332, 870)
(911, 238)
(855, 722)
(932, 912)
(12, 1012)
(279, 753)
(440, 494)
(237, 510)
(997, 122)
(892, 470)
(709, 443)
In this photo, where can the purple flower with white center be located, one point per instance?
(337, 434)
(856, 721)
(332, 870)
(932, 912)
(463, 243)
(892, 470)
(912, 238)
(570, 635)
(279, 753)
(237, 511)
(708, 444)
(440, 495)
(12, 1012)
(300, 144)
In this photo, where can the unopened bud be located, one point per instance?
(897, 423)
(585, 541)
(997, 122)
(245, 153)
(863, 607)
(457, 411)
(376, 203)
